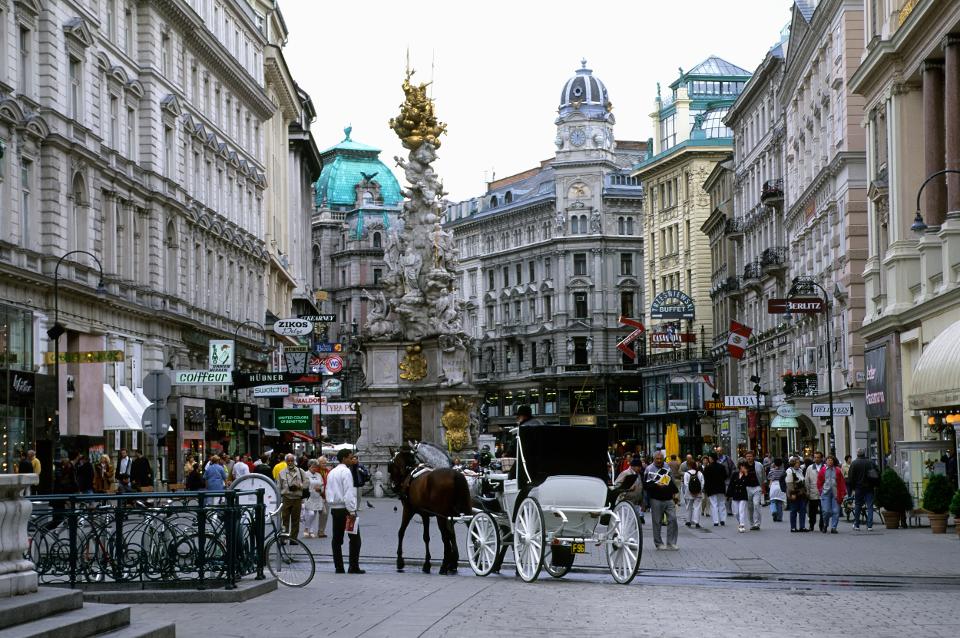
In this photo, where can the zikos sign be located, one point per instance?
(293, 327)
(795, 305)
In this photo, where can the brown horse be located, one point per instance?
(442, 493)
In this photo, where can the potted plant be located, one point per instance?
(936, 500)
(955, 510)
(894, 497)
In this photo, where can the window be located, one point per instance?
(546, 268)
(377, 275)
(166, 54)
(532, 270)
(531, 309)
(128, 29)
(26, 220)
(76, 92)
(580, 305)
(547, 307)
(490, 321)
(517, 311)
(132, 134)
(580, 264)
(506, 276)
(25, 58)
(505, 312)
(519, 274)
(115, 123)
(626, 264)
(490, 282)
(508, 198)
(580, 351)
(493, 202)
(629, 225)
(626, 304)
(343, 278)
(112, 19)
(377, 240)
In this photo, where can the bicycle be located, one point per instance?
(287, 558)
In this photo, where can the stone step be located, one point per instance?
(44, 602)
(143, 630)
(89, 620)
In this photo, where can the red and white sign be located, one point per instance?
(739, 338)
(333, 364)
(307, 399)
(625, 344)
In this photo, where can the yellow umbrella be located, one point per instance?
(672, 440)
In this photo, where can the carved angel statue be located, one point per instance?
(378, 325)
(596, 222)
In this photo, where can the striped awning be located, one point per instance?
(936, 379)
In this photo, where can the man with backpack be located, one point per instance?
(692, 493)
(863, 479)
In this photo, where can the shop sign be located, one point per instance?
(583, 419)
(342, 408)
(795, 305)
(839, 409)
(293, 327)
(672, 304)
(201, 377)
(293, 419)
(787, 411)
(741, 400)
(308, 399)
(671, 338)
(253, 379)
(221, 355)
(876, 389)
(89, 356)
(675, 405)
(271, 391)
(329, 318)
(22, 384)
(715, 405)
(332, 387)
(327, 347)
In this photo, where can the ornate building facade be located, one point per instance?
(549, 260)
(691, 138)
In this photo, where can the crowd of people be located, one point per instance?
(811, 489)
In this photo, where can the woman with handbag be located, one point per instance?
(796, 496)
(313, 505)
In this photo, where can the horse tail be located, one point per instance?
(462, 501)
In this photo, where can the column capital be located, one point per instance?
(931, 65)
(951, 39)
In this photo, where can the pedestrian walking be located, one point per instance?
(662, 491)
(313, 505)
(737, 493)
(124, 464)
(239, 469)
(215, 476)
(813, 493)
(731, 469)
(692, 493)
(832, 490)
(863, 479)
(755, 481)
(777, 489)
(796, 495)
(194, 481)
(84, 471)
(141, 474)
(103, 475)
(292, 483)
(715, 487)
(342, 498)
(263, 467)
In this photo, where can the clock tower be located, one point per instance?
(585, 120)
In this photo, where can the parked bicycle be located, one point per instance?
(288, 559)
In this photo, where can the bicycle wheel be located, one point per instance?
(290, 561)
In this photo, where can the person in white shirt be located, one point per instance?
(692, 493)
(342, 499)
(124, 463)
(240, 469)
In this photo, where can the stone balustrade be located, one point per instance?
(17, 575)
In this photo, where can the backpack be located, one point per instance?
(694, 486)
(872, 476)
(361, 475)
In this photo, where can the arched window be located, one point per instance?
(583, 224)
(367, 198)
(79, 232)
(171, 266)
(574, 225)
(621, 226)
(377, 241)
(493, 202)
(508, 197)
(629, 225)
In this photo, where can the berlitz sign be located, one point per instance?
(797, 305)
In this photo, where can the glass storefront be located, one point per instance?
(18, 394)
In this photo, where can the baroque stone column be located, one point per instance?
(935, 194)
(951, 49)
(17, 575)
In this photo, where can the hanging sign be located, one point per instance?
(253, 379)
(92, 356)
(221, 355)
(200, 377)
(795, 305)
(672, 304)
(271, 391)
(293, 327)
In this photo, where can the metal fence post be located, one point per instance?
(230, 525)
(118, 538)
(72, 527)
(259, 532)
(201, 532)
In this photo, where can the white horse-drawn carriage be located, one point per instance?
(552, 505)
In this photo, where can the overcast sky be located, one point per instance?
(498, 67)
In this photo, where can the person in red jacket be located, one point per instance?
(832, 490)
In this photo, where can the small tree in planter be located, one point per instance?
(955, 510)
(936, 500)
(894, 497)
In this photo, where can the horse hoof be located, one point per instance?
(426, 569)
(443, 571)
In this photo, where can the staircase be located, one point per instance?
(58, 613)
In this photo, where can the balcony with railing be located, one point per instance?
(733, 228)
(774, 259)
(732, 286)
(752, 272)
(772, 191)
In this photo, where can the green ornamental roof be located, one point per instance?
(344, 166)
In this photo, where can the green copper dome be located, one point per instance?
(346, 165)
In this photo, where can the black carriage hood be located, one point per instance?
(551, 450)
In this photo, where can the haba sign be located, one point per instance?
(91, 356)
(200, 377)
(221, 353)
(876, 388)
(672, 305)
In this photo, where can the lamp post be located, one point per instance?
(56, 331)
(919, 225)
(808, 285)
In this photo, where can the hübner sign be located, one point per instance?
(201, 377)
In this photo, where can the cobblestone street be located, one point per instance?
(736, 580)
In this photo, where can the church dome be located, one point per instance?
(584, 89)
(346, 165)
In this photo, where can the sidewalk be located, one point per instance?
(772, 550)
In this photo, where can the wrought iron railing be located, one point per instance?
(190, 540)
(774, 257)
(733, 226)
(772, 189)
(753, 270)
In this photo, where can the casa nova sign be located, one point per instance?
(672, 304)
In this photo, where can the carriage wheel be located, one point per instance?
(624, 543)
(557, 571)
(529, 538)
(483, 543)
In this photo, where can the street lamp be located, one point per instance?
(57, 330)
(919, 225)
(236, 333)
(808, 285)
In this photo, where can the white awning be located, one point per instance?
(141, 397)
(133, 405)
(271, 431)
(116, 416)
(936, 379)
(783, 423)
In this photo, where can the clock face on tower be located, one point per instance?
(578, 136)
